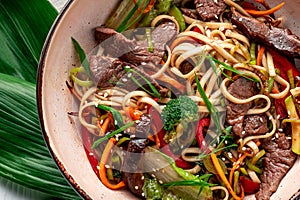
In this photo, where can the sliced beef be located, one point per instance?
(255, 125)
(108, 72)
(210, 9)
(133, 51)
(190, 13)
(235, 113)
(279, 159)
(132, 173)
(142, 128)
(281, 39)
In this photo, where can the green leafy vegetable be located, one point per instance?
(229, 68)
(133, 16)
(214, 113)
(175, 12)
(177, 180)
(82, 57)
(163, 6)
(116, 115)
(183, 109)
(153, 92)
(147, 19)
(152, 189)
(24, 156)
(106, 137)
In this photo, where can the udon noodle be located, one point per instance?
(218, 155)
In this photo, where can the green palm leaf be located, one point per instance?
(24, 25)
(24, 157)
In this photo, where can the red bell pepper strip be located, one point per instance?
(204, 122)
(87, 144)
(165, 148)
(283, 64)
(248, 185)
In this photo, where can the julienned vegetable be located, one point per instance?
(295, 121)
(189, 157)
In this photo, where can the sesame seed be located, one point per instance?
(136, 187)
(289, 113)
(105, 95)
(203, 142)
(243, 132)
(280, 130)
(226, 142)
(96, 104)
(216, 1)
(289, 138)
(223, 158)
(261, 120)
(143, 194)
(160, 181)
(143, 63)
(244, 149)
(222, 28)
(271, 117)
(127, 67)
(276, 135)
(216, 16)
(240, 19)
(229, 155)
(132, 136)
(91, 154)
(107, 166)
(101, 121)
(129, 75)
(278, 116)
(181, 146)
(153, 175)
(98, 167)
(124, 79)
(143, 177)
(116, 122)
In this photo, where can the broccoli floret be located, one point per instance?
(180, 110)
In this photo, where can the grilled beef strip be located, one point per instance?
(133, 51)
(235, 113)
(255, 124)
(278, 160)
(132, 173)
(281, 39)
(209, 9)
(109, 72)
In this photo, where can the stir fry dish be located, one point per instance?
(190, 99)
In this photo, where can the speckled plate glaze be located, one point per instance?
(61, 132)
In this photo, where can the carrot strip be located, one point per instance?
(102, 170)
(104, 126)
(265, 12)
(219, 169)
(243, 192)
(134, 113)
(235, 166)
(260, 56)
